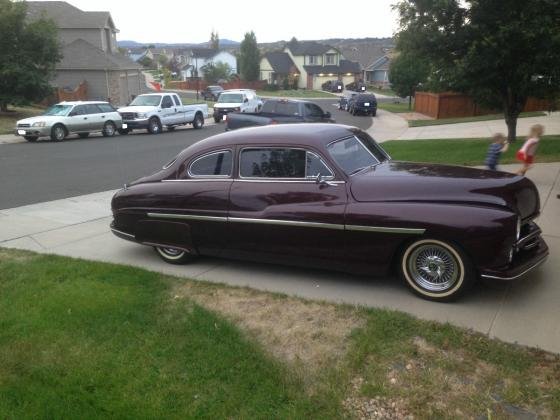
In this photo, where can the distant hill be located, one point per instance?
(226, 43)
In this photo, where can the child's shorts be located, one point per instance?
(524, 157)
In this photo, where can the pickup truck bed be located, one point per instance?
(279, 111)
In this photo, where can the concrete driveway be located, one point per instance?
(525, 311)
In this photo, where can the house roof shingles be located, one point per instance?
(204, 52)
(345, 66)
(366, 54)
(81, 55)
(66, 16)
(280, 62)
(308, 48)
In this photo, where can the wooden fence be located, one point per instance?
(191, 84)
(456, 105)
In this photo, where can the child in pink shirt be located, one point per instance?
(527, 152)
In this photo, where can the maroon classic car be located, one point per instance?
(329, 196)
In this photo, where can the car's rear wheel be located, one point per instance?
(154, 126)
(58, 132)
(83, 135)
(198, 121)
(109, 129)
(217, 119)
(31, 138)
(436, 270)
(173, 255)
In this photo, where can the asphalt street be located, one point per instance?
(45, 171)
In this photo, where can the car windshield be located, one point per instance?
(235, 98)
(146, 100)
(353, 154)
(58, 110)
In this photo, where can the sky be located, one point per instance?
(178, 21)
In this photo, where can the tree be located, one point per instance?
(214, 72)
(162, 60)
(500, 52)
(249, 58)
(146, 62)
(30, 51)
(406, 73)
(214, 40)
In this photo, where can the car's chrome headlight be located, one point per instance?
(141, 115)
(39, 124)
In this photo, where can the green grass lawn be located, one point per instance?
(423, 123)
(466, 151)
(300, 93)
(88, 340)
(397, 108)
(9, 119)
(387, 92)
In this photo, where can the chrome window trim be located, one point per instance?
(198, 180)
(279, 222)
(210, 154)
(285, 180)
(281, 179)
(363, 145)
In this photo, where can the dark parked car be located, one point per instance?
(328, 196)
(363, 103)
(345, 101)
(279, 111)
(212, 93)
(356, 86)
(333, 86)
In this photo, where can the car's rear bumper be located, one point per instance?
(523, 262)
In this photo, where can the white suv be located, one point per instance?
(236, 100)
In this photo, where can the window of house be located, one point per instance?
(312, 59)
(331, 58)
(215, 164)
(281, 163)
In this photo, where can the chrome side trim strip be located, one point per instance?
(281, 181)
(286, 223)
(535, 265)
(188, 217)
(198, 180)
(408, 231)
(333, 226)
(121, 233)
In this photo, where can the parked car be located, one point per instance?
(236, 100)
(333, 86)
(328, 196)
(363, 103)
(212, 93)
(279, 111)
(345, 101)
(153, 111)
(65, 118)
(356, 86)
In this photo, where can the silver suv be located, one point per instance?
(67, 118)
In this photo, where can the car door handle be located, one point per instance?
(85, 118)
(103, 116)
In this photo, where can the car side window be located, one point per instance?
(215, 164)
(106, 108)
(272, 163)
(176, 100)
(313, 110)
(166, 102)
(315, 166)
(79, 110)
(92, 109)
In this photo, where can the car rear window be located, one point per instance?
(214, 164)
(106, 107)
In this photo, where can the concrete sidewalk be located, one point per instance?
(525, 311)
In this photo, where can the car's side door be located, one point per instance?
(94, 115)
(314, 113)
(77, 120)
(168, 110)
(192, 210)
(182, 114)
(281, 211)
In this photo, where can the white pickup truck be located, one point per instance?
(153, 111)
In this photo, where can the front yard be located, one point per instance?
(443, 121)
(300, 93)
(87, 340)
(9, 119)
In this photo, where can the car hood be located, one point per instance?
(419, 182)
(139, 109)
(227, 105)
(46, 118)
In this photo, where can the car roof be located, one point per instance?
(81, 102)
(316, 135)
(239, 91)
(214, 87)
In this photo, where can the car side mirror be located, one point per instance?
(327, 115)
(246, 100)
(323, 180)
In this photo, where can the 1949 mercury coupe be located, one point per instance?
(329, 196)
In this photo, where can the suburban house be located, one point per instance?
(275, 67)
(374, 59)
(90, 53)
(194, 60)
(318, 63)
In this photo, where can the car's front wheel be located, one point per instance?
(154, 126)
(58, 132)
(124, 131)
(173, 255)
(198, 121)
(109, 129)
(436, 270)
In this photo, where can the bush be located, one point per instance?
(270, 87)
(285, 84)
